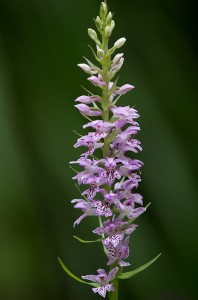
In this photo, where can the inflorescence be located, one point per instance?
(109, 175)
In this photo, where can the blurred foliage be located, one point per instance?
(40, 44)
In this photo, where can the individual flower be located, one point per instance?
(91, 141)
(118, 253)
(125, 112)
(127, 208)
(100, 126)
(115, 231)
(86, 207)
(103, 279)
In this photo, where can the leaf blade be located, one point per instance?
(86, 242)
(138, 270)
(74, 276)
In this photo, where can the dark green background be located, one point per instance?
(40, 44)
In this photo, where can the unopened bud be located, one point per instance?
(103, 10)
(107, 31)
(115, 68)
(119, 43)
(100, 52)
(112, 25)
(117, 58)
(88, 69)
(98, 22)
(93, 36)
(85, 67)
(109, 18)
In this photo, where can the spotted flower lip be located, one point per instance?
(118, 253)
(111, 171)
(95, 183)
(102, 208)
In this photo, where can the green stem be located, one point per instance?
(105, 101)
(114, 295)
(105, 97)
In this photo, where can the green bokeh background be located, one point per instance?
(41, 43)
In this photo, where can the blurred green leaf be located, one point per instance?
(84, 241)
(74, 276)
(138, 270)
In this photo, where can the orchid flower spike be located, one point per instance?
(109, 172)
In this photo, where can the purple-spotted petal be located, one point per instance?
(113, 239)
(112, 273)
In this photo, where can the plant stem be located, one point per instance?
(114, 295)
(105, 102)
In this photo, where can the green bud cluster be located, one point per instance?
(105, 25)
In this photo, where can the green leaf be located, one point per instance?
(74, 276)
(136, 271)
(114, 102)
(148, 205)
(103, 236)
(83, 241)
(96, 57)
(92, 65)
(77, 133)
(112, 136)
(87, 90)
(73, 169)
(80, 191)
(90, 120)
